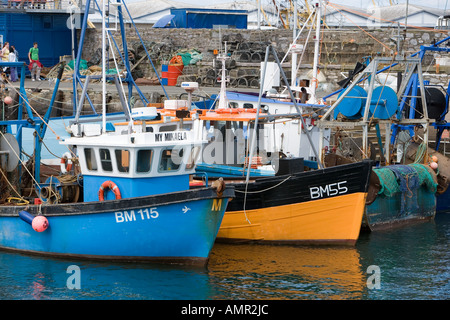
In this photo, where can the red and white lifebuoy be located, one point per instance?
(67, 157)
(108, 185)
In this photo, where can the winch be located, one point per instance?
(61, 189)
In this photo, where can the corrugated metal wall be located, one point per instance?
(48, 29)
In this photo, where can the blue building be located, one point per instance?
(49, 27)
(204, 18)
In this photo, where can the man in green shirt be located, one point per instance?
(35, 66)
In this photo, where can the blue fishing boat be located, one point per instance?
(137, 204)
(123, 193)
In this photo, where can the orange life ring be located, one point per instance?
(66, 157)
(108, 185)
(227, 110)
(250, 110)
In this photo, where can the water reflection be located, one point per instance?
(286, 272)
(414, 263)
(35, 278)
(414, 260)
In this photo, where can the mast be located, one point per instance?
(294, 52)
(223, 101)
(314, 80)
(104, 67)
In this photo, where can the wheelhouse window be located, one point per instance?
(105, 160)
(144, 160)
(91, 162)
(123, 160)
(170, 160)
(167, 128)
(234, 105)
(248, 106)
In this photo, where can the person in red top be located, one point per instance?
(34, 66)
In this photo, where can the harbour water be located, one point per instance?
(407, 263)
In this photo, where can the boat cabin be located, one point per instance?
(284, 135)
(150, 157)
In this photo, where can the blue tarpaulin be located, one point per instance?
(163, 21)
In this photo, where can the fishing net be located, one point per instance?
(405, 178)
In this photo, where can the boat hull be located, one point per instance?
(178, 228)
(405, 194)
(443, 202)
(400, 209)
(323, 206)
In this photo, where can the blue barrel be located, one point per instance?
(352, 106)
(384, 102)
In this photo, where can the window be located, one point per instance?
(248, 106)
(170, 160)
(187, 126)
(144, 160)
(172, 127)
(105, 160)
(234, 105)
(123, 160)
(91, 162)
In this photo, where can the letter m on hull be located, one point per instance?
(217, 205)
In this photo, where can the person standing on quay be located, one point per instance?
(35, 65)
(13, 57)
(5, 52)
(5, 56)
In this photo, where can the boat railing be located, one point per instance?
(43, 5)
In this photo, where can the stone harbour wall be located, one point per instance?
(339, 52)
(340, 49)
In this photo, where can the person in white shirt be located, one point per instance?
(13, 57)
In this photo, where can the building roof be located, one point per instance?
(139, 10)
(334, 14)
(382, 16)
(143, 8)
(398, 12)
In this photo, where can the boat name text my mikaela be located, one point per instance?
(171, 136)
